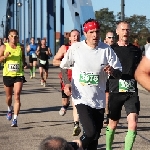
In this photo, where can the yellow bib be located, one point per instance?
(13, 63)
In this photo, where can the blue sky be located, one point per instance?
(139, 7)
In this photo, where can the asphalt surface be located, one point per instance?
(39, 117)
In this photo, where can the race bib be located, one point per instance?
(34, 55)
(127, 85)
(13, 67)
(89, 78)
(43, 62)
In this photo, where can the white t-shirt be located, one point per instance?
(88, 78)
(147, 53)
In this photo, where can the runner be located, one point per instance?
(91, 61)
(43, 53)
(13, 75)
(74, 36)
(124, 91)
(31, 49)
(108, 40)
(1, 43)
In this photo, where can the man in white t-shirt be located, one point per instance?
(91, 62)
(109, 39)
(142, 73)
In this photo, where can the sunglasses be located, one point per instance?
(13, 36)
(110, 37)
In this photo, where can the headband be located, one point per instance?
(91, 25)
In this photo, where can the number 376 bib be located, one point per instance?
(89, 78)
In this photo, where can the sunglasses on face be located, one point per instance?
(110, 37)
(13, 36)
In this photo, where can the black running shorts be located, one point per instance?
(117, 100)
(64, 95)
(9, 81)
(32, 59)
(46, 66)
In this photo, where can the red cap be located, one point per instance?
(91, 25)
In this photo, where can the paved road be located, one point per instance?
(39, 118)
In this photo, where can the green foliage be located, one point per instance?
(140, 25)
(107, 21)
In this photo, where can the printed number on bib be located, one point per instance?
(13, 67)
(43, 62)
(34, 55)
(89, 78)
(127, 85)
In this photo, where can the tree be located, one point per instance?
(139, 28)
(107, 21)
(140, 25)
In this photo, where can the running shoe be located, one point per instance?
(31, 77)
(33, 74)
(42, 82)
(9, 115)
(76, 130)
(14, 123)
(62, 111)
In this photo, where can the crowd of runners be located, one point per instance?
(97, 78)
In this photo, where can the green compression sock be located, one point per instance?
(109, 138)
(129, 139)
(34, 69)
(31, 72)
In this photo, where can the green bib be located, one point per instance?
(89, 78)
(127, 85)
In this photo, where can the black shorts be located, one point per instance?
(32, 59)
(9, 81)
(46, 66)
(64, 95)
(117, 100)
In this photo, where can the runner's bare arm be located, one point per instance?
(142, 73)
(49, 52)
(38, 51)
(28, 48)
(59, 55)
(2, 56)
(23, 56)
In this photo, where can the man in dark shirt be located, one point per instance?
(44, 53)
(124, 91)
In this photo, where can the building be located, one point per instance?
(66, 35)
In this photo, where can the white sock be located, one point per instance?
(15, 117)
(9, 108)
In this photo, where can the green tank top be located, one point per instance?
(13, 65)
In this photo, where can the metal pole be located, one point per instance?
(35, 18)
(3, 32)
(122, 10)
(51, 14)
(30, 18)
(61, 22)
(54, 7)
